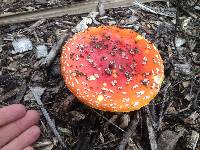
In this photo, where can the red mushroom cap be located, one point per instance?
(112, 69)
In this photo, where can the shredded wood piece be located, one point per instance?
(80, 8)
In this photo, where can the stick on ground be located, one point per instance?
(54, 51)
(80, 8)
(152, 135)
(47, 117)
(130, 131)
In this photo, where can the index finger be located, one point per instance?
(11, 113)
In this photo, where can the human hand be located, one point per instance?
(18, 129)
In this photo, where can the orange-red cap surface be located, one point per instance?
(112, 69)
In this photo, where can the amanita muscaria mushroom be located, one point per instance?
(112, 69)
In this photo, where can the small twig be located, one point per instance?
(175, 30)
(185, 109)
(127, 135)
(108, 121)
(144, 7)
(47, 117)
(35, 25)
(153, 10)
(68, 23)
(112, 119)
(165, 91)
(54, 51)
(153, 114)
(152, 135)
(101, 8)
(36, 36)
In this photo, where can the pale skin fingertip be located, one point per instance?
(34, 114)
(28, 148)
(36, 131)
